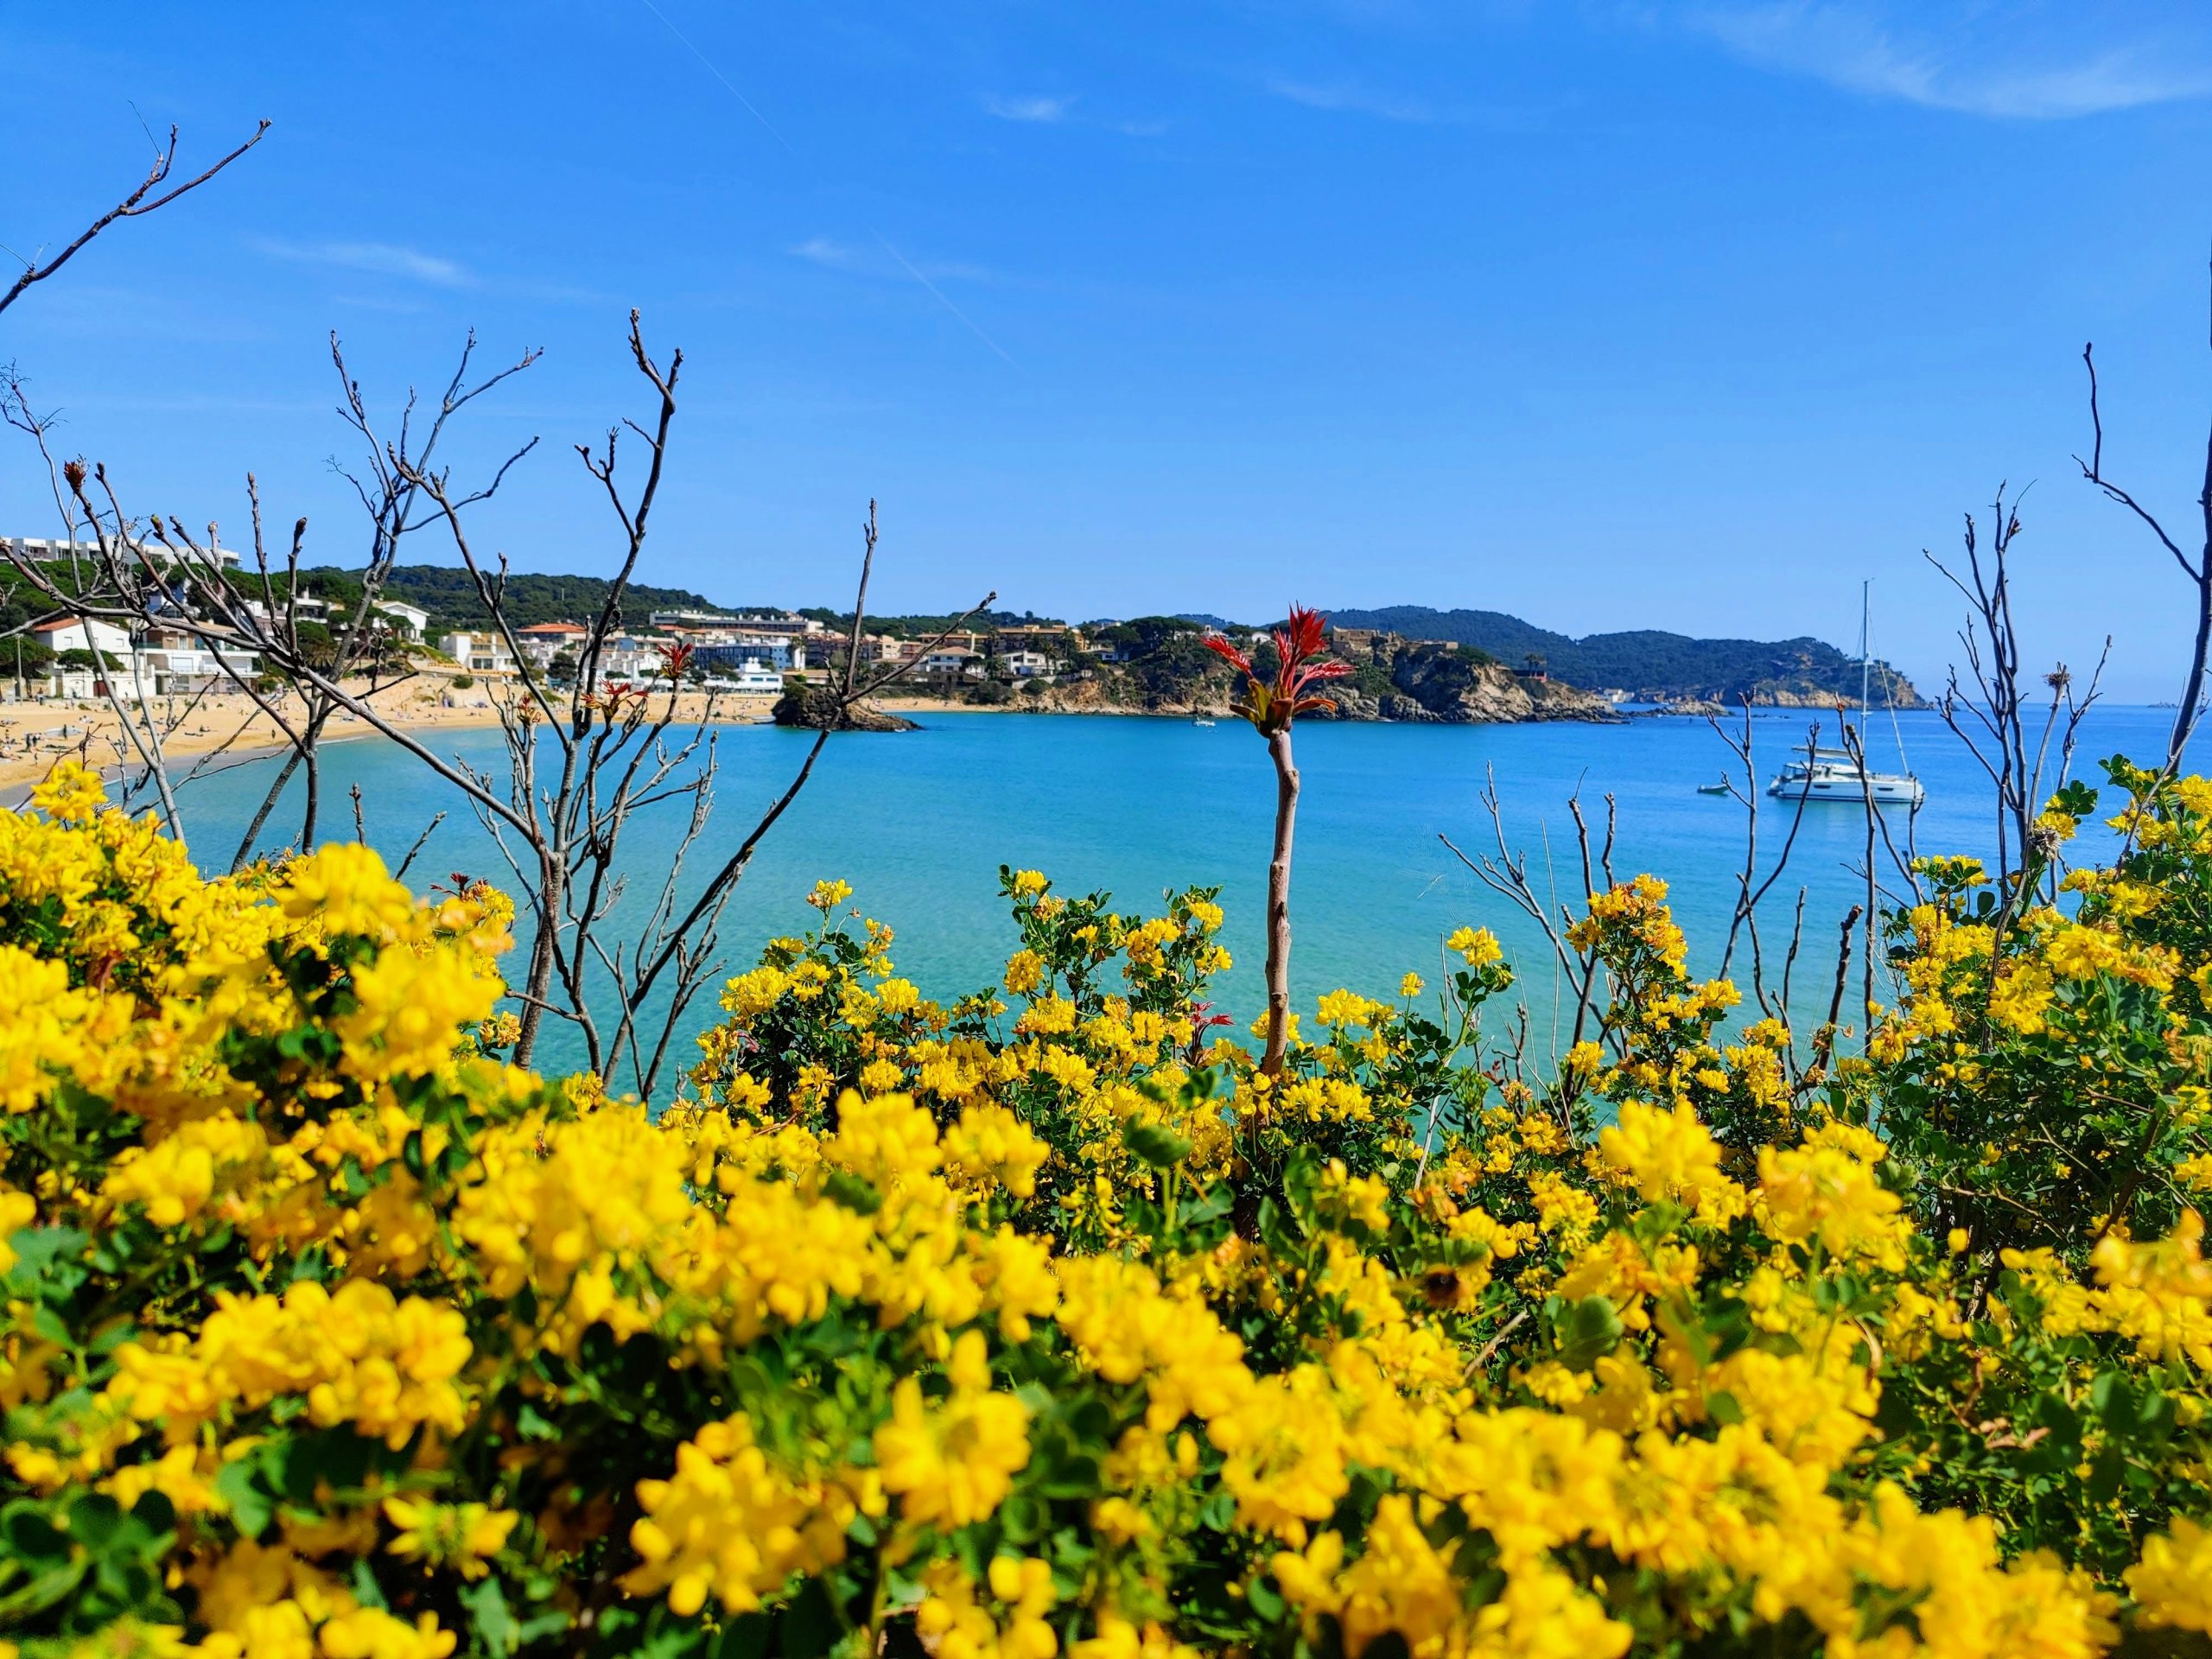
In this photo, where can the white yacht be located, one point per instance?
(1834, 775)
(1837, 774)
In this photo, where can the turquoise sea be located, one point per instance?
(919, 822)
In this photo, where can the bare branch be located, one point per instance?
(134, 206)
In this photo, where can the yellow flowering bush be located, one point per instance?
(1045, 1322)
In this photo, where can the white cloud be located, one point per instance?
(2000, 72)
(823, 251)
(378, 258)
(1034, 109)
(1348, 99)
(886, 263)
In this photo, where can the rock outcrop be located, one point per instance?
(814, 709)
(1448, 683)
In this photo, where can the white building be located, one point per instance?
(478, 653)
(632, 660)
(47, 549)
(749, 680)
(71, 634)
(1029, 664)
(954, 664)
(82, 685)
(168, 670)
(408, 620)
(541, 642)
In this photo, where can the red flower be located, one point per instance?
(1298, 664)
(674, 659)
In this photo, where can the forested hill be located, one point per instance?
(448, 593)
(1649, 662)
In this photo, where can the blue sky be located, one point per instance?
(1609, 315)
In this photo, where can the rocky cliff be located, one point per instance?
(1445, 683)
(1393, 681)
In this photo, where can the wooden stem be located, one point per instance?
(1279, 903)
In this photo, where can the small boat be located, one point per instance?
(1720, 788)
(1202, 720)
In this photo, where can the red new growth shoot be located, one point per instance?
(1298, 664)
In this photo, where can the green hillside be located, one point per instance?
(1648, 661)
(448, 593)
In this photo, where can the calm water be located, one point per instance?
(919, 822)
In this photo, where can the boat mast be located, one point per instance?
(1866, 600)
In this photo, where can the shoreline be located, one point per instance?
(34, 735)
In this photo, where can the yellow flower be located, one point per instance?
(953, 1462)
(2173, 1582)
(72, 793)
(826, 896)
(1024, 972)
(343, 889)
(460, 1536)
(1671, 1155)
(1477, 946)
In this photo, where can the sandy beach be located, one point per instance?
(218, 728)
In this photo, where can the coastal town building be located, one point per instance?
(407, 621)
(541, 642)
(71, 634)
(951, 663)
(1029, 664)
(783, 624)
(157, 662)
(630, 658)
(881, 648)
(1044, 638)
(46, 549)
(171, 663)
(303, 606)
(479, 652)
(757, 651)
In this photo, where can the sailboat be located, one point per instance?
(1838, 774)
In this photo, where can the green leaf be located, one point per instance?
(366, 1590)
(809, 1626)
(2105, 1469)
(1024, 1517)
(239, 1487)
(1586, 1331)
(31, 1535)
(487, 1610)
(848, 1189)
(1161, 1148)
(534, 1424)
